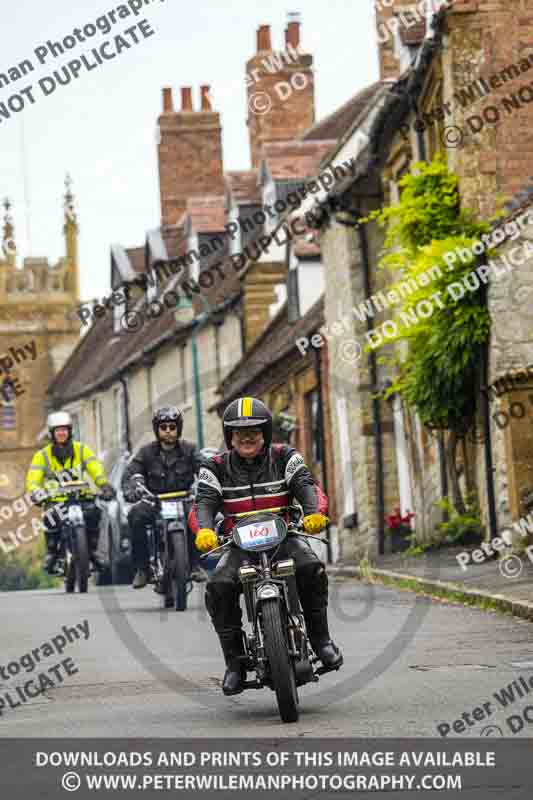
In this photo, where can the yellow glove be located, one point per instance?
(314, 523)
(206, 540)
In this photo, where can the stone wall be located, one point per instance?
(510, 299)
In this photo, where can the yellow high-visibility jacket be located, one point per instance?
(46, 472)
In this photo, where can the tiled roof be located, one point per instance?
(287, 161)
(276, 342)
(336, 124)
(243, 186)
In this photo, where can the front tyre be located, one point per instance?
(281, 667)
(81, 557)
(178, 570)
(70, 576)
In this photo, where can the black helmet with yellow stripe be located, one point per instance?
(247, 412)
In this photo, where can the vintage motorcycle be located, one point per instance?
(277, 648)
(73, 562)
(169, 549)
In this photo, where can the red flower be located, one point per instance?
(397, 520)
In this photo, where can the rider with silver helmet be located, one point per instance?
(61, 460)
(254, 474)
(167, 465)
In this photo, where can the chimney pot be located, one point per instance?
(206, 100)
(167, 99)
(293, 33)
(186, 98)
(263, 38)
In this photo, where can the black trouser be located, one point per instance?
(53, 524)
(140, 517)
(223, 588)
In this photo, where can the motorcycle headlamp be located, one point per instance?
(247, 574)
(284, 568)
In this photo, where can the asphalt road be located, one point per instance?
(410, 664)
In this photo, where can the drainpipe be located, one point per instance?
(485, 414)
(376, 411)
(124, 383)
(321, 436)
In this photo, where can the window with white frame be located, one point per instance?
(235, 238)
(76, 433)
(98, 412)
(118, 406)
(8, 412)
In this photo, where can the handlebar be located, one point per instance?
(69, 487)
(259, 511)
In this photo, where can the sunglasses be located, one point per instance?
(247, 434)
(168, 426)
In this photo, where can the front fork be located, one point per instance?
(156, 536)
(297, 639)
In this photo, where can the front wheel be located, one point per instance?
(281, 667)
(81, 557)
(178, 571)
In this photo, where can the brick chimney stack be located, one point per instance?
(280, 89)
(387, 10)
(189, 153)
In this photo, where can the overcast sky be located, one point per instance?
(101, 128)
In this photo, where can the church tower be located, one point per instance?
(37, 335)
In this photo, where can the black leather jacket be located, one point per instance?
(229, 484)
(163, 470)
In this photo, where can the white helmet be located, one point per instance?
(58, 419)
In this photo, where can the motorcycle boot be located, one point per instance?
(321, 642)
(233, 650)
(93, 556)
(50, 558)
(140, 580)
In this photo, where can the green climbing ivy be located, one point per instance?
(436, 375)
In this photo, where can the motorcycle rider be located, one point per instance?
(167, 465)
(62, 460)
(254, 474)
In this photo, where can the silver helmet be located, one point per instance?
(58, 419)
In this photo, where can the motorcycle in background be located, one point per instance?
(169, 547)
(73, 562)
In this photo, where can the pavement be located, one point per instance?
(505, 584)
